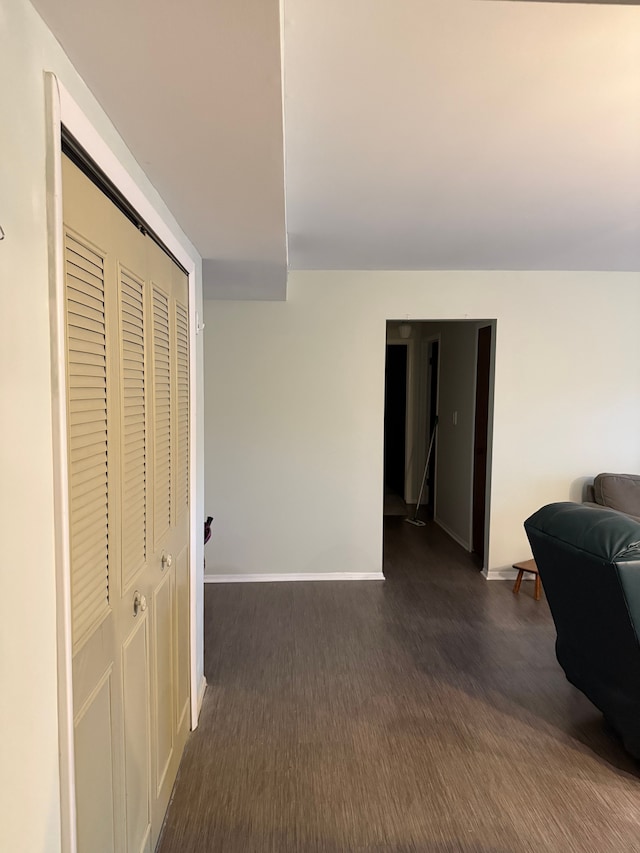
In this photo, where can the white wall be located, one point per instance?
(29, 806)
(295, 397)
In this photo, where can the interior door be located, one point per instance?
(128, 412)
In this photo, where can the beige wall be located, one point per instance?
(29, 787)
(295, 395)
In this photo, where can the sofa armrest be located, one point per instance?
(603, 533)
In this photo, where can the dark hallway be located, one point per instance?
(395, 420)
(423, 713)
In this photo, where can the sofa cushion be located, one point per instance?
(618, 491)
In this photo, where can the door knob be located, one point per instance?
(167, 560)
(139, 603)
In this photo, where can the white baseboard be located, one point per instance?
(453, 535)
(311, 576)
(201, 690)
(507, 573)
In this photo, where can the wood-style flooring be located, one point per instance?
(423, 713)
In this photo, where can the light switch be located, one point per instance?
(455, 419)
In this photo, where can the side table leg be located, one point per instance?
(516, 586)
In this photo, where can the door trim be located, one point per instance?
(62, 110)
(493, 324)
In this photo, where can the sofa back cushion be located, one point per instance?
(618, 491)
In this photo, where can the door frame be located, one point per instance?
(63, 110)
(492, 323)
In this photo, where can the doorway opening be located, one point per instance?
(439, 378)
(395, 425)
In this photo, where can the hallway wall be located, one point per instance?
(454, 446)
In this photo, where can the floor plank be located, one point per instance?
(423, 713)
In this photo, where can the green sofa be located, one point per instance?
(589, 563)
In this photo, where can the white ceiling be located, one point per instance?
(195, 89)
(419, 134)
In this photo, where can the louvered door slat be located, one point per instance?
(83, 298)
(134, 427)
(130, 304)
(130, 347)
(84, 483)
(86, 428)
(182, 406)
(85, 446)
(130, 325)
(82, 543)
(80, 282)
(79, 321)
(86, 396)
(93, 358)
(132, 456)
(90, 519)
(78, 335)
(88, 454)
(136, 414)
(84, 262)
(87, 601)
(78, 270)
(162, 413)
(83, 417)
(86, 505)
(131, 320)
(88, 437)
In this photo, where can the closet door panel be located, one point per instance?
(164, 680)
(134, 427)
(96, 771)
(86, 353)
(135, 669)
(162, 414)
(182, 637)
(127, 371)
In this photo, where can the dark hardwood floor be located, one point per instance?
(423, 713)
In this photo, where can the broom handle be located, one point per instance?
(426, 466)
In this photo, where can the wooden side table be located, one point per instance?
(527, 566)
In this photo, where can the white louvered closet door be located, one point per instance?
(128, 411)
(169, 550)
